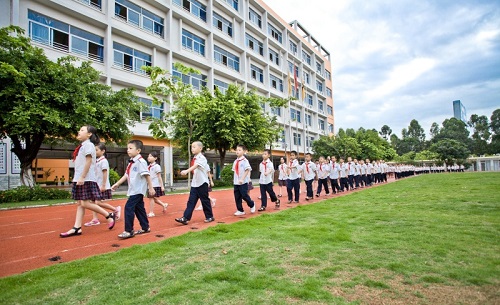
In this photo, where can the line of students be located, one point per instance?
(91, 182)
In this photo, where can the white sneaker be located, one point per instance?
(252, 209)
(238, 213)
(213, 202)
(151, 214)
(199, 208)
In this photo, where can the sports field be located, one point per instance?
(431, 239)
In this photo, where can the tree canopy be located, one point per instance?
(42, 99)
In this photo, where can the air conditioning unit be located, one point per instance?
(309, 106)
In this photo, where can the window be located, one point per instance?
(319, 68)
(233, 3)
(151, 111)
(274, 57)
(65, 37)
(309, 100)
(321, 105)
(194, 7)
(328, 92)
(309, 141)
(274, 33)
(276, 82)
(295, 114)
(330, 128)
(139, 17)
(257, 73)
(319, 86)
(306, 57)
(293, 48)
(195, 80)
(276, 111)
(297, 137)
(308, 119)
(263, 106)
(306, 77)
(226, 58)
(192, 42)
(222, 86)
(223, 24)
(295, 93)
(321, 124)
(254, 18)
(254, 44)
(328, 75)
(329, 110)
(129, 59)
(97, 4)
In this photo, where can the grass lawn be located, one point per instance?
(432, 239)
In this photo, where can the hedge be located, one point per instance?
(24, 193)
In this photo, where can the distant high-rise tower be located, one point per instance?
(459, 111)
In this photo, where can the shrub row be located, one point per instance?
(24, 193)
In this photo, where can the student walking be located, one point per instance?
(139, 181)
(102, 175)
(344, 170)
(242, 168)
(293, 178)
(210, 186)
(283, 176)
(266, 169)
(85, 188)
(323, 172)
(199, 185)
(155, 173)
(334, 175)
(309, 174)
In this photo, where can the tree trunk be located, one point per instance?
(27, 152)
(222, 157)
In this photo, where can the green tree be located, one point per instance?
(426, 155)
(481, 133)
(495, 131)
(385, 132)
(434, 130)
(453, 129)
(236, 117)
(450, 151)
(43, 100)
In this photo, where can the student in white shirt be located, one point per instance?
(309, 173)
(242, 168)
(323, 172)
(334, 175)
(199, 185)
(294, 170)
(266, 169)
(155, 174)
(283, 176)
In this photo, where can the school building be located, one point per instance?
(229, 41)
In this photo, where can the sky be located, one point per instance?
(394, 61)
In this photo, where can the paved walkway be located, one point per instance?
(30, 237)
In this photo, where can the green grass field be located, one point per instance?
(432, 239)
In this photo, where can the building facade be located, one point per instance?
(459, 111)
(228, 41)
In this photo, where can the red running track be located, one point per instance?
(30, 237)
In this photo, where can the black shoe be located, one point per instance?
(76, 231)
(277, 204)
(182, 220)
(262, 209)
(209, 219)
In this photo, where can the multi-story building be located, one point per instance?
(229, 41)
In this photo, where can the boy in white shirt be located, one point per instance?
(309, 173)
(199, 185)
(293, 178)
(266, 169)
(323, 172)
(334, 175)
(242, 168)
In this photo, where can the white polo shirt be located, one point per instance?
(135, 172)
(265, 166)
(323, 170)
(200, 174)
(351, 168)
(154, 170)
(309, 169)
(334, 170)
(294, 170)
(357, 169)
(101, 165)
(243, 165)
(283, 171)
(363, 169)
(86, 148)
(344, 169)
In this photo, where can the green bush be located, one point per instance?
(113, 176)
(24, 193)
(226, 175)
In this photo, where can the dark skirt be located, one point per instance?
(88, 191)
(281, 182)
(106, 194)
(158, 192)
